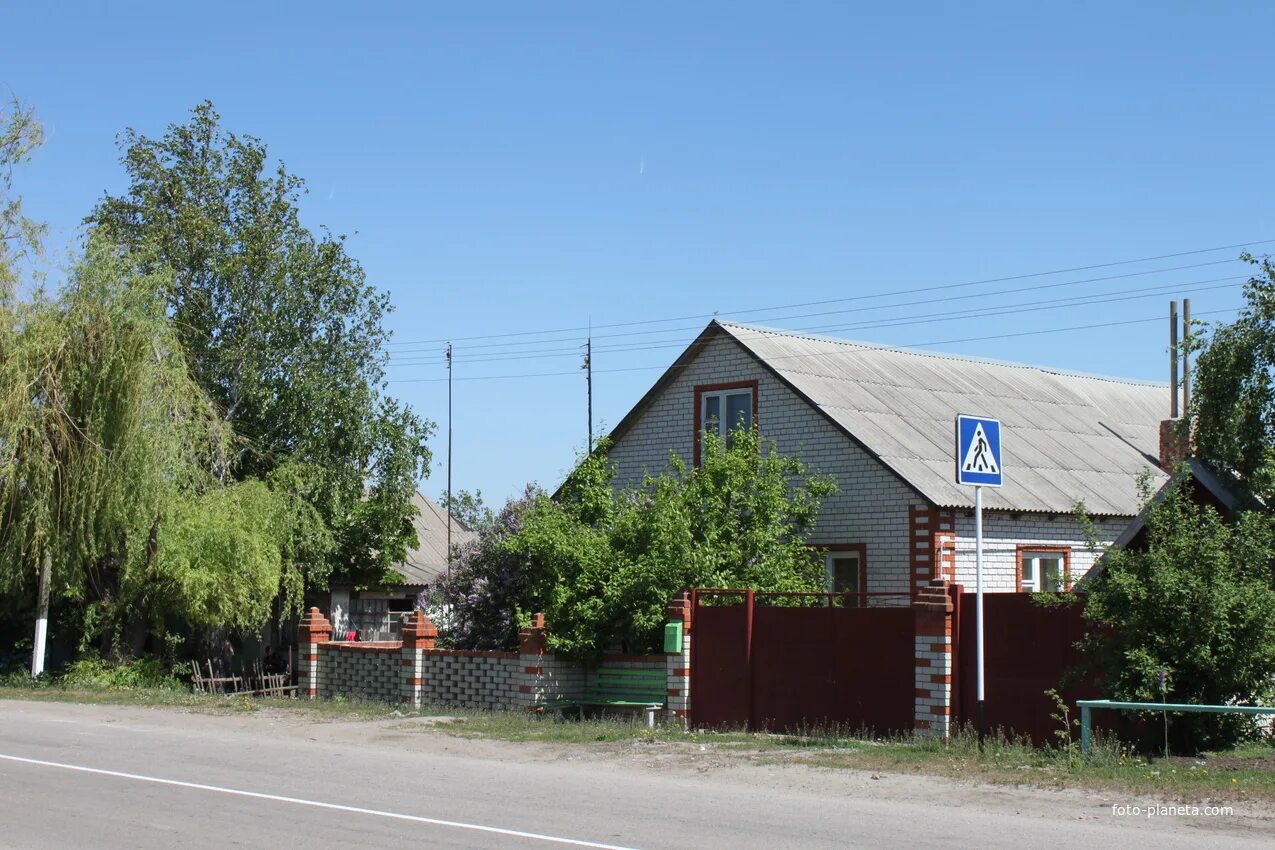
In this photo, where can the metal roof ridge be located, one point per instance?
(937, 355)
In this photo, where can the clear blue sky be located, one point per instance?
(521, 167)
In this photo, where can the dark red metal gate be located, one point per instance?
(799, 661)
(1029, 648)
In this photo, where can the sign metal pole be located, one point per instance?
(978, 608)
(978, 464)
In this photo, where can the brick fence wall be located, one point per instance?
(368, 671)
(471, 679)
(414, 672)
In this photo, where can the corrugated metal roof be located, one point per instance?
(1066, 436)
(425, 562)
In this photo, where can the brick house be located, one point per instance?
(881, 421)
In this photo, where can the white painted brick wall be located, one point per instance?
(1002, 534)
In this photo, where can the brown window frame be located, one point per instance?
(1043, 549)
(700, 389)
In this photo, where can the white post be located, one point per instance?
(41, 615)
(37, 657)
(978, 609)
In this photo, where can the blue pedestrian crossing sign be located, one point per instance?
(978, 451)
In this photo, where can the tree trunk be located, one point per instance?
(42, 613)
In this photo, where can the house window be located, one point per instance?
(724, 409)
(1045, 570)
(846, 568)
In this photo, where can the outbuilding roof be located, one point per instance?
(1066, 437)
(428, 558)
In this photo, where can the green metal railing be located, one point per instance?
(1087, 706)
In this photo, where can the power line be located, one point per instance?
(858, 347)
(912, 291)
(527, 346)
(924, 318)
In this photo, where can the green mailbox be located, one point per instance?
(673, 636)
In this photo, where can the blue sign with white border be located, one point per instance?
(978, 451)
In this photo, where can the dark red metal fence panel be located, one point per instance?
(1029, 649)
(876, 687)
(719, 667)
(846, 667)
(794, 671)
(807, 667)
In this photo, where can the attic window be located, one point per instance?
(724, 409)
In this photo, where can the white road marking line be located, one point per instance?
(535, 836)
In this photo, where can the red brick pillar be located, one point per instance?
(419, 636)
(313, 630)
(678, 704)
(932, 545)
(532, 642)
(932, 608)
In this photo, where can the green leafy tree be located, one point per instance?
(280, 328)
(1233, 401)
(20, 135)
(106, 444)
(468, 509)
(1197, 606)
(602, 561)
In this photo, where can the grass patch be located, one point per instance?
(1247, 773)
(181, 698)
(608, 729)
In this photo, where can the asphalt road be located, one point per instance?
(108, 776)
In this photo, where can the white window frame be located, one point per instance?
(1034, 556)
(722, 395)
(830, 568)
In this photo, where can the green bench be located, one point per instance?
(623, 688)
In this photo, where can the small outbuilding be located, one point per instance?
(378, 614)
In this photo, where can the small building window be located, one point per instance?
(1043, 570)
(843, 572)
(845, 568)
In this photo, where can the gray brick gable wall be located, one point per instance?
(1003, 534)
(871, 506)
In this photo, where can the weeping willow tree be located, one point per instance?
(107, 452)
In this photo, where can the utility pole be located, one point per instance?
(449, 460)
(1186, 360)
(588, 379)
(1173, 359)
